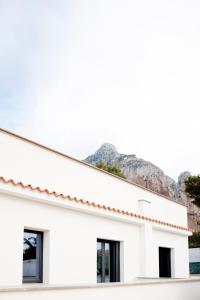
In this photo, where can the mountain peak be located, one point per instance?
(136, 170)
(107, 149)
(107, 153)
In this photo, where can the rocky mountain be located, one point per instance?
(146, 174)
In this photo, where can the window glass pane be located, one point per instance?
(32, 256)
(99, 262)
(108, 268)
(29, 255)
(107, 262)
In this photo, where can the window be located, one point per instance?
(164, 262)
(32, 256)
(108, 261)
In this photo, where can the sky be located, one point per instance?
(75, 74)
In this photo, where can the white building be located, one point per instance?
(81, 226)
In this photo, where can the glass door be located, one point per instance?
(107, 261)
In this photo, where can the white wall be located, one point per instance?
(31, 164)
(179, 252)
(70, 243)
(177, 290)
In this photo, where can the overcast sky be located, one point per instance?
(77, 73)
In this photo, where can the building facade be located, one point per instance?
(65, 222)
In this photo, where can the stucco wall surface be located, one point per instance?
(31, 164)
(70, 243)
(187, 290)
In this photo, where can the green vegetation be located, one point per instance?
(194, 240)
(192, 188)
(111, 169)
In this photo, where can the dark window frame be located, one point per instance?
(114, 260)
(39, 277)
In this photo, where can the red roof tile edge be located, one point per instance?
(92, 204)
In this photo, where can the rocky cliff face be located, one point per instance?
(193, 210)
(145, 173)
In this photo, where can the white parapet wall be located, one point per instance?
(140, 290)
(32, 164)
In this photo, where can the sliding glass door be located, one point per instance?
(108, 268)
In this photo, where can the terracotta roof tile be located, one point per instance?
(88, 203)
